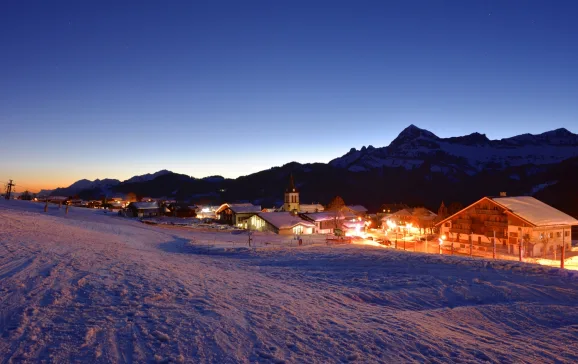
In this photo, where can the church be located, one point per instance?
(292, 204)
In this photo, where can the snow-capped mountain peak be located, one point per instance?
(412, 133)
(468, 154)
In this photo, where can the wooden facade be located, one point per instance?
(485, 222)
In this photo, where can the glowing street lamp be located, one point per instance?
(442, 238)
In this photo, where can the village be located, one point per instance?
(504, 227)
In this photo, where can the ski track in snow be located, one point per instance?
(97, 288)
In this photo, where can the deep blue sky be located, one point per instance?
(93, 89)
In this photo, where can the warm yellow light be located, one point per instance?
(444, 237)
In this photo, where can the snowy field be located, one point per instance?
(92, 287)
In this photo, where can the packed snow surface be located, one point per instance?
(92, 287)
(535, 211)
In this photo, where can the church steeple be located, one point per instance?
(291, 197)
(291, 187)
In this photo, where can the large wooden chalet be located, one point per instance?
(511, 221)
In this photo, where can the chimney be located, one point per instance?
(503, 194)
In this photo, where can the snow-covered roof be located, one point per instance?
(357, 208)
(144, 205)
(330, 215)
(316, 207)
(410, 211)
(535, 211)
(245, 208)
(284, 220)
(240, 208)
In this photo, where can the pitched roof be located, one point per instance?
(144, 205)
(240, 208)
(329, 215)
(284, 220)
(357, 208)
(311, 207)
(527, 208)
(535, 211)
(245, 208)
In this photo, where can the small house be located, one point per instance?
(180, 209)
(357, 210)
(326, 222)
(282, 223)
(237, 214)
(143, 209)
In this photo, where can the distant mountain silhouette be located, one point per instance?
(417, 168)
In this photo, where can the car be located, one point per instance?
(369, 238)
(385, 242)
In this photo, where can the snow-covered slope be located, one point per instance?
(90, 287)
(470, 154)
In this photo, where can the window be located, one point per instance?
(447, 224)
(566, 233)
(558, 234)
(550, 235)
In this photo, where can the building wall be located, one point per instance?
(480, 221)
(241, 219)
(297, 230)
(256, 223)
(291, 201)
(226, 216)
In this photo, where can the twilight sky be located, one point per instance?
(97, 89)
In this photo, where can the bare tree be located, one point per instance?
(422, 218)
(336, 205)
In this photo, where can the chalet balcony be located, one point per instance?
(463, 221)
(499, 234)
(460, 231)
(500, 224)
(488, 212)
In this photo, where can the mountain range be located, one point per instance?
(417, 168)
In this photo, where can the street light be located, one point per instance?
(443, 237)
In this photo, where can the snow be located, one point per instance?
(284, 220)
(414, 145)
(145, 205)
(305, 208)
(94, 287)
(535, 211)
(541, 186)
(330, 215)
(240, 208)
(357, 208)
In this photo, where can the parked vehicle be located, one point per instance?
(385, 242)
